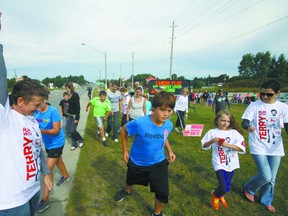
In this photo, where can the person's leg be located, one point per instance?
(158, 176)
(267, 190)
(263, 176)
(158, 206)
(109, 124)
(62, 167)
(124, 120)
(69, 123)
(224, 180)
(33, 203)
(177, 123)
(181, 119)
(75, 135)
(50, 164)
(115, 125)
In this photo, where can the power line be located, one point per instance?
(246, 33)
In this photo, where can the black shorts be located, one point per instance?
(155, 175)
(54, 152)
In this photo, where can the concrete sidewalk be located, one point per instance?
(59, 195)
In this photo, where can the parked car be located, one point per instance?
(283, 98)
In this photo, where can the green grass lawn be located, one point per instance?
(101, 173)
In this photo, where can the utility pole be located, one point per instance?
(105, 71)
(120, 74)
(171, 55)
(133, 70)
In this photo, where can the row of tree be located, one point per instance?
(263, 65)
(57, 81)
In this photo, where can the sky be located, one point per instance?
(44, 38)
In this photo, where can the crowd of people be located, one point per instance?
(28, 121)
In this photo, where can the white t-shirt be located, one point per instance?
(268, 119)
(224, 158)
(114, 98)
(181, 103)
(20, 144)
(125, 101)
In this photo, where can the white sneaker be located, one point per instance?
(116, 140)
(106, 134)
(72, 148)
(176, 129)
(81, 145)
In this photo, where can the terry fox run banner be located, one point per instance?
(193, 130)
(173, 86)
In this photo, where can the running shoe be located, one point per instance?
(215, 202)
(42, 206)
(120, 195)
(105, 143)
(223, 202)
(63, 180)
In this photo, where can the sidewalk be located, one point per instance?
(59, 195)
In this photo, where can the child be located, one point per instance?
(125, 101)
(49, 120)
(147, 163)
(148, 104)
(181, 107)
(226, 141)
(63, 108)
(102, 109)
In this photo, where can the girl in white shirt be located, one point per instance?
(226, 141)
(181, 107)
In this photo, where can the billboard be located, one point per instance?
(173, 86)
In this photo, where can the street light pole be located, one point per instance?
(84, 44)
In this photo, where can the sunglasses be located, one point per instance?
(267, 94)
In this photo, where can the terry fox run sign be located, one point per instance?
(173, 86)
(194, 130)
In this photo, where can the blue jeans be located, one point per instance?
(265, 179)
(27, 209)
(115, 125)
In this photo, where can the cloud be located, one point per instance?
(210, 37)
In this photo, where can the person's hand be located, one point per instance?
(221, 141)
(126, 157)
(76, 121)
(172, 157)
(251, 129)
(48, 184)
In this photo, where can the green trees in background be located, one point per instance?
(59, 81)
(263, 65)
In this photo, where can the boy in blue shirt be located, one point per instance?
(147, 163)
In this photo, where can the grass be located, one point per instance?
(101, 173)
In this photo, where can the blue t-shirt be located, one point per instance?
(45, 121)
(149, 140)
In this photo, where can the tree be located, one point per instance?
(262, 64)
(174, 76)
(246, 66)
(181, 78)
